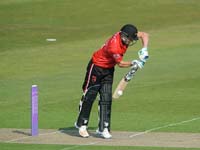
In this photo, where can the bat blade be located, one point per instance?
(124, 81)
(120, 87)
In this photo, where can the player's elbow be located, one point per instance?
(121, 66)
(143, 35)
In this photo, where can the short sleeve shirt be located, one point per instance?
(110, 53)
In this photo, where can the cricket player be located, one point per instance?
(99, 77)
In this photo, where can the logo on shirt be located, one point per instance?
(116, 56)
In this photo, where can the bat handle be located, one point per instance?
(134, 66)
(131, 73)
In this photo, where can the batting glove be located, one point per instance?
(139, 63)
(143, 54)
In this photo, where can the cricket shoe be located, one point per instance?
(105, 134)
(82, 130)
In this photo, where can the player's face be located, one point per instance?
(132, 42)
(127, 41)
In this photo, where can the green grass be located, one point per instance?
(166, 91)
(81, 147)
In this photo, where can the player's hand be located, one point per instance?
(139, 63)
(143, 54)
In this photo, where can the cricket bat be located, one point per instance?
(124, 82)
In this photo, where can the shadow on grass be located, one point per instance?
(22, 132)
(72, 131)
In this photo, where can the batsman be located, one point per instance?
(100, 73)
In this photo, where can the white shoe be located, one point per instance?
(82, 131)
(105, 134)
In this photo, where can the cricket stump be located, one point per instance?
(34, 110)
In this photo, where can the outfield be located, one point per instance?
(165, 92)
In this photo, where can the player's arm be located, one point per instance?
(119, 60)
(144, 37)
(124, 64)
(143, 53)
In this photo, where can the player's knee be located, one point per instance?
(91, 94)
(106, 93)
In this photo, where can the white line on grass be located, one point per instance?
(165, 126)
(42, 134)
(26, 137)
(93, 143)
(77, 146)
(141, 133)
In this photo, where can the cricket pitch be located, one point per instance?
(70, 136)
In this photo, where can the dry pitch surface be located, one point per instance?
(71, 137)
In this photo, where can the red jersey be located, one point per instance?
(110, 53)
